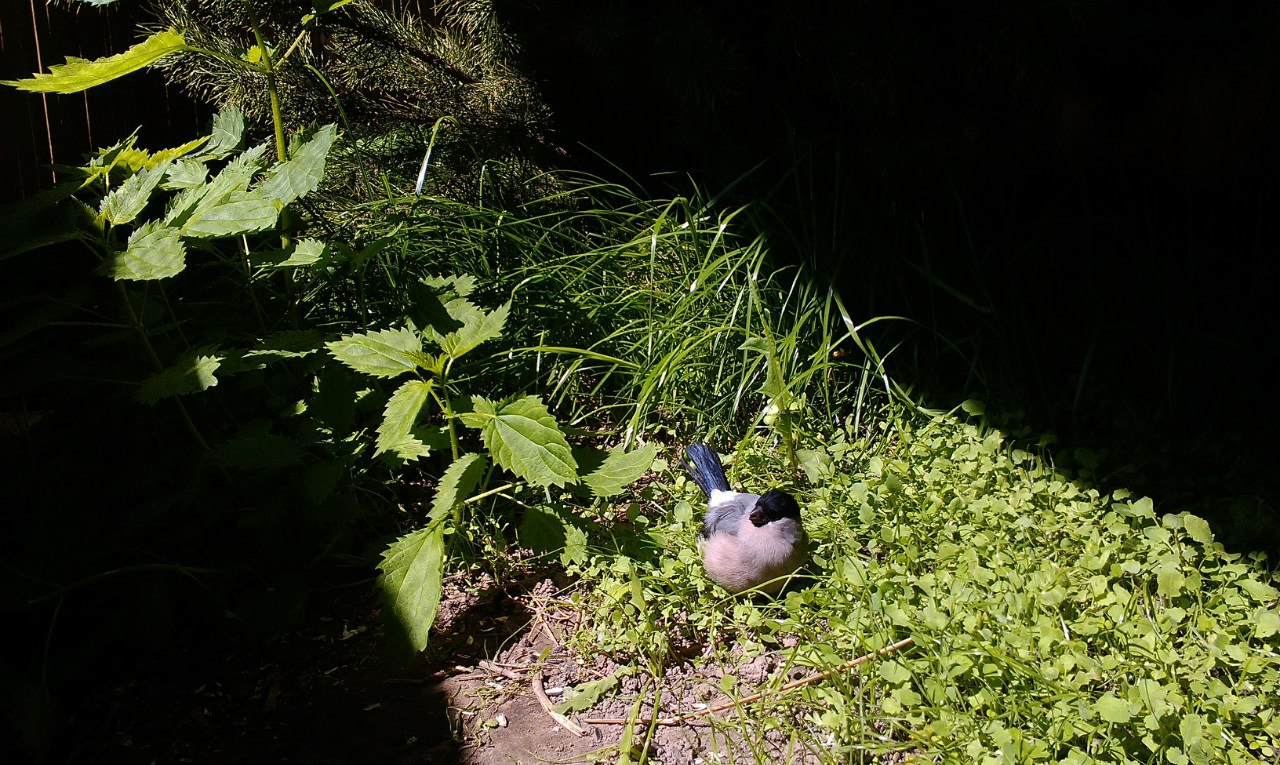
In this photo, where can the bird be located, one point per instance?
(747, 541)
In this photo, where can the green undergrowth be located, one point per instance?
(1051, 623)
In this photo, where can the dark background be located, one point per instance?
(1075, 201)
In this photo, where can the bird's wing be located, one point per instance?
(727, 510)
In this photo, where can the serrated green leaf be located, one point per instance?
(585, 695)
(127, 201)
(457, 483)
(542, 530)
(155, 252)
(1113, 709)
(177, 152)
(385, 353)
(79, 74)
(186, 174)
(400, 415)
(461, 285)
(524, 438)
(477, 328)
(302, 173)
(620, 469)
(412, 574)
(227, 133)
(192, 373)
(232, 180)
(241, 213)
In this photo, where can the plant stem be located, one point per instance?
(285, 224)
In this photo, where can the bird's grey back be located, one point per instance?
(727, 514)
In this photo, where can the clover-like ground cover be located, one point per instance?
(1051, 622)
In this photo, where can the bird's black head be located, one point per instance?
(773, 505)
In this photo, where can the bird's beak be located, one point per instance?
(758, 518)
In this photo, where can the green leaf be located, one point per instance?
(399, 417)
(232, 181)
(412, 574)
(127, 201)
(227, 135)
(186, 174)
(620, 469)
(524, 438)
(155, 252)
(1263, 593)
(1169, 578)
(306, 252)
(1197, 528)
(385, 353)
(1266, 623)
(241, 213)
(457, 483)
(79, 74)
(816, 464)
(192, 373)
(542, 529)
(477, 328)
(585, 695)
(302, 173)
(1113, 709)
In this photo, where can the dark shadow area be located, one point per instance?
(1073, 203)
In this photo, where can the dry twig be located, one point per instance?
(561, 720)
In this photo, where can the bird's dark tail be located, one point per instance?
(706, 469)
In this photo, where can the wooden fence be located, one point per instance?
(39, 131)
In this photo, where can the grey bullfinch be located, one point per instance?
(747, 540)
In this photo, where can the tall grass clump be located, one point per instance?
(643, 312)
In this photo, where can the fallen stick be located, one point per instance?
(549, 708)
(753, 697)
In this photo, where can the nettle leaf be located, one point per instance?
(192, 373)
(233, 179)
(129, 199)
(242, 213)
(477, 328)
(302, 172)
(457, 483)
(525, 438)
(620, 469)
(384, 353)
(186, 174)
(459, 285)
(585, 695)
(177, 152)
(399, 416)
(412, 574)
(79, 74)
(227, 134)
(155, 252)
